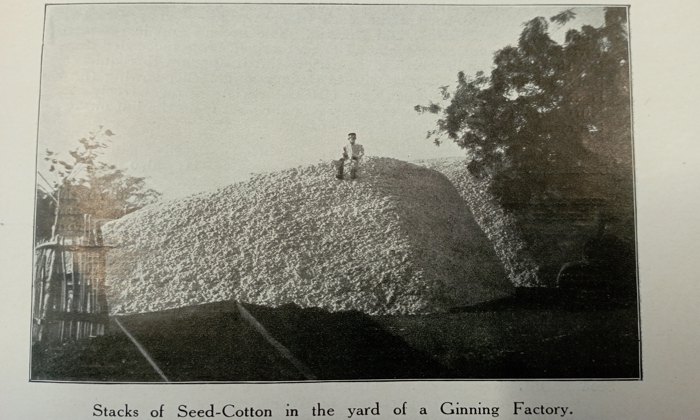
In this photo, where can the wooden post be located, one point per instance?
(62, 304)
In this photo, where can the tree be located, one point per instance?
(102, 190)
(548, 115)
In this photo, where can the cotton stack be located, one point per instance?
(499, 226)
(398, 240)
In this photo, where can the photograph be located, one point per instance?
(244, 193)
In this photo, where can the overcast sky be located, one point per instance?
(200, 96)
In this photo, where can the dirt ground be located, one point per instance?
(536, 334)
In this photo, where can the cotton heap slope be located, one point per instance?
(499, 226)
(397, 240)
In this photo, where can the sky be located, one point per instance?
(201, 96)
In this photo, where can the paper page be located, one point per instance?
(287, 241)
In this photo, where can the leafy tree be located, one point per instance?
(549, 116)
(101, 189)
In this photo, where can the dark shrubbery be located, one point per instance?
(550, 129)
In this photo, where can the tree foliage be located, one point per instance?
(101, 189)
(547, 114)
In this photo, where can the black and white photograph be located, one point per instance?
(244, 193)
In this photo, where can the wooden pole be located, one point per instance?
(49, 293)
(64, 288)
(39, 281)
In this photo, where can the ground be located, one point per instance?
(539, 333)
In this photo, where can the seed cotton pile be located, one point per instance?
(499, 226)
(397, 240)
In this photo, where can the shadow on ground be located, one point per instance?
(345, 345)
(537, 334)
